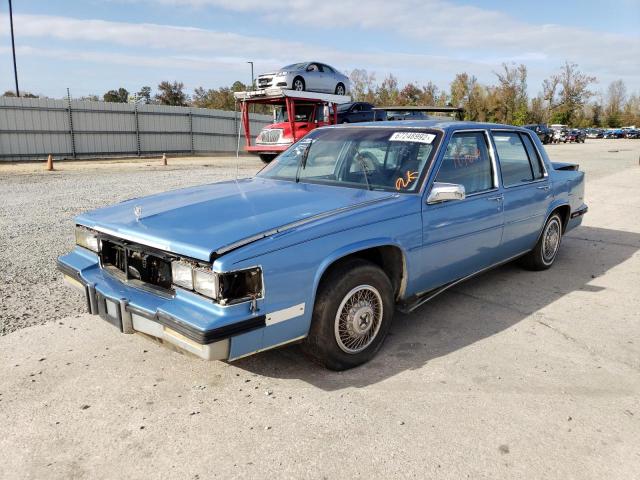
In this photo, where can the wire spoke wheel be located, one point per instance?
(551, 240)
(358, 319)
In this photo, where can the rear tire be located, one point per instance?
(546, 250)
(352, 315)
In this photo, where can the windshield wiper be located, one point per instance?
(302, 164)
(364, 169)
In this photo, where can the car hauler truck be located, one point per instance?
(295, 114)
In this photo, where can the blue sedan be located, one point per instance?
(324, 244)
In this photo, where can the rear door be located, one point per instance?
(461, 237)
(526, 188)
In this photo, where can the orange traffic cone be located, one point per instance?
(50, 163)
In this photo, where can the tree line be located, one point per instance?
(566, 97)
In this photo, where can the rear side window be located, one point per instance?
(536, 162)
(514, 160)
(466, 162)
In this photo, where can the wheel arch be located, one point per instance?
(388, 255)
(301, 78)
(563, 209)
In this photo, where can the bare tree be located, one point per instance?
(572, 87)
(616, 97)
(363, 85)
(511, 94)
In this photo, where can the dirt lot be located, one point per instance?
(511, 375)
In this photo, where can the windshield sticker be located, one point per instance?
(418, 137)
(402, 183)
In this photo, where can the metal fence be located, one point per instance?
(32, 128)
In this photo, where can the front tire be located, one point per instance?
(340, 90)
(546, 250)
(351, 316)
(298, 84)
(267, 157)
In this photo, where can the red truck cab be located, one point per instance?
(295, 114)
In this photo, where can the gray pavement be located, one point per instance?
(514, 374)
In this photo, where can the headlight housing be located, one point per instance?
(226, 288)
(87, 238)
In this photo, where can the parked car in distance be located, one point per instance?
(614, 133)
(560, 135)
(325, 243)
(354, 112)
(633, 133)
(575, 135)
(307, 76)
(544, 133)
(594, 133)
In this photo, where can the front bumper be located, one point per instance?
(184, 320)
(267, 148)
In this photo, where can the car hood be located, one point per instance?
(200, 221)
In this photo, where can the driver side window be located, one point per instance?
(466, 162)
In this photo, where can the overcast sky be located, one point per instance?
(92, 46)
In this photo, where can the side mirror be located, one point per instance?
(443, 192)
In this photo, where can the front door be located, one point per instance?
(314, 78)
(527, 191)
(461, 237)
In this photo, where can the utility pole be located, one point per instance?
(251, 75)
(13, 48)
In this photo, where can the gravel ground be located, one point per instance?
(37, 209)
(511, 375)
(36, 221)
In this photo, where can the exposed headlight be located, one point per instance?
(87, 238)
(206, 283)
(182, 275)
(240, 285)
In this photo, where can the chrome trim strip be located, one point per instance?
(297, 223)
(133, 238)
(492, 157)
(286, 342)
(285, 314)
(540, 157)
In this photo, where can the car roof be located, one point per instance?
(438, 124)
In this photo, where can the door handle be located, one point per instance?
(497, 198)
(544, 187)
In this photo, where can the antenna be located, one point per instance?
(238, 141)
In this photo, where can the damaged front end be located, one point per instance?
(177, 300)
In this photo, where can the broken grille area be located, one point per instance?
(133, 263)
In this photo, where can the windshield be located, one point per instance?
(294, 66)
(373, 158)
(304, 113)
